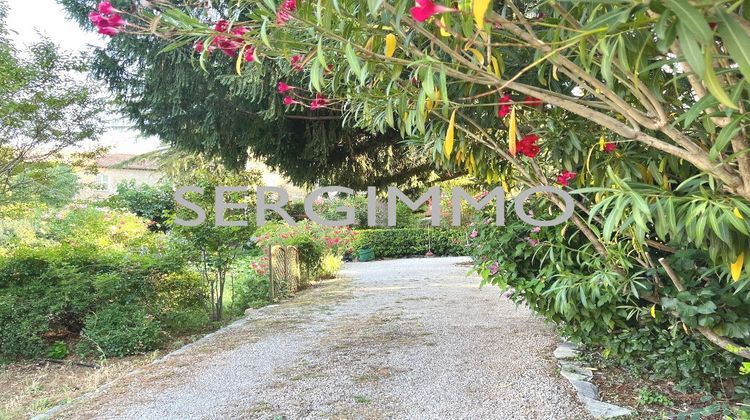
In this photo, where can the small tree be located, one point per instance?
(47, 104)
(214, 248)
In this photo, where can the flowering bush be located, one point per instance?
(336, 241)
(555, 272)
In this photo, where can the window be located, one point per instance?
(102, 182)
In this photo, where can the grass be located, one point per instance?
(362, 399)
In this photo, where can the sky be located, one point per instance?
(48, 17)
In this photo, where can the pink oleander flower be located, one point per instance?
(283, 87)
(494, 268)
(536, 229)
(95, 17)
(565, 177)
(106, 19)
(473, 234)
(284, 14)
(609, 147)
(239, 31)
(221, 26)
(105, 7)
(250, 54)
(505, 106)
(319, 102)
(426, 9)
(288, 101)
(296, 62)
(108, 30)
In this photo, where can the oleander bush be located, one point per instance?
(396, 243)
(555, 271)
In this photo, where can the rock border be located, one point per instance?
(580, 377)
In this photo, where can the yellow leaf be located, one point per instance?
(737, 213)
(602, 143)
(495, 66)
(430, 104)
(554, 73)
(736, 267)
(512, 131)
(390, 45)
(448, 143)
(479, 7)
(368, 44)
(478, 55)
(240, 60)
(653, 311)
(443, 32)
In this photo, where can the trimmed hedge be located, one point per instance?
(395, 243)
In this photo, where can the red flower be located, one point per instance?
(284, 14)
(106, 8)
(532, 101)
(250, 54)
(296, 62)
(505, 106)
(106, 20)
(527, 146)
(288, 100)
(283, 87)
(565, 177)
(221, 26)
(319, 102)
(609, 147)
(227, 45)
(425, 9)
(108, 30)
(95, 17)
(239, 31)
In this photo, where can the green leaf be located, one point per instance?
(692, 19)
(736, 40)
(713, 84)
(691, 50)
(428, 84)
(264, 33)
(353, 60)
(321, 54)
(725, 136)
(444, 91)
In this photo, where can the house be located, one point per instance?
(112, 169)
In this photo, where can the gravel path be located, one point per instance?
(411, 338)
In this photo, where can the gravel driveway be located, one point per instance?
(410, 338)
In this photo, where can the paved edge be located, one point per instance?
(580, 378)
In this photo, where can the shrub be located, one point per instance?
(251, 289)
(312, 240)
(330, 266)
(556, 273)
(154, 203)
(48, 292)
(119, 330)
(395, 243)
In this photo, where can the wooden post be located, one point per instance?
(271, 285)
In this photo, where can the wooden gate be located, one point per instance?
(284, 274)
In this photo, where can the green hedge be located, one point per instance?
(117, 302)
(395, 243)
